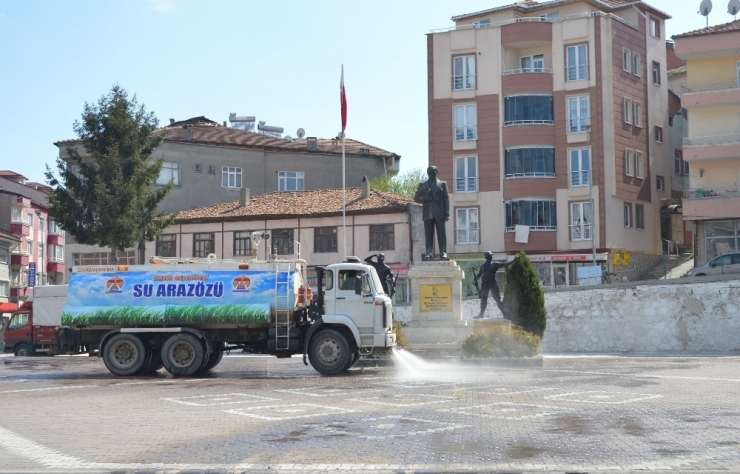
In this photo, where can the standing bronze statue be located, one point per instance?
(432, 193)
(383, 271)
(487, 274)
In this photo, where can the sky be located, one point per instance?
(278, 60)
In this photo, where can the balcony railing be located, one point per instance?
(528, 122)
(712, 140)
(580, 232)
(466, 236)
(463, 82)
(709, 193)
(468, 132)
(537, 19)
(528, 70)
(712, 86)
(466, 185)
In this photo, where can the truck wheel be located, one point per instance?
(354, 360)
(24, 350)
(124, 354)
(213, 360)
(183, 354)
(155, 362)
(329, 352)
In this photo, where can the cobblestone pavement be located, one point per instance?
(574, 414)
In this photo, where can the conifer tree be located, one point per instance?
(524, 301)
(106, 197)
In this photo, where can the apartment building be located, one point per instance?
(211, 162)
(304, 224)
(536, 110)
(8, 242)
(37, 258)
(712, 148)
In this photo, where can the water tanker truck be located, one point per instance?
(184, 314)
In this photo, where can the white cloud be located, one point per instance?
(162, 5)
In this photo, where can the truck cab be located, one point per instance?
(32, 328)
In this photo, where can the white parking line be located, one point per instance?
(46, 389)
(602, 397)
(289, 412)
(222, 399)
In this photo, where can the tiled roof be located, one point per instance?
(287, 204)
(673, 61)
(526, 5)
(723, 28)
(674, 103)
(11, 174)
(4, 234)
(208, 133)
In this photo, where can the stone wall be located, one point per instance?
(689, 315)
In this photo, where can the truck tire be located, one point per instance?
(354, 360)
(154, 363)
(23, 350)
(183, 354)
(329, 352)
(124, 354)
(213, 360)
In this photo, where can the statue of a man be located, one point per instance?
(432, 193)
(487, 274)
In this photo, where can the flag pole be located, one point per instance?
(343, 103)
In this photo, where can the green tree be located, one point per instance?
(106, 198)
(403, 184)
(524, 301)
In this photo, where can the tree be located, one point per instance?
(404, 184)
(106, 198)
(524, 301)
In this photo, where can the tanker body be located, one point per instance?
(184, 316)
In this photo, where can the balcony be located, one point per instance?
(522, 81)
(711, 148)
(19, 260)
(17, 228)
(711, 94)
(711, 204)
(56, 239)
(55, 267)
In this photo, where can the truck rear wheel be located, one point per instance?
(329, 352)
(23, 350)
(183, 354)
(213, 360)
(124, 354)
(154, 363)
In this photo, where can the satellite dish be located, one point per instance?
(300, 132)
(705, 8)
(287, 137)
(733, 7)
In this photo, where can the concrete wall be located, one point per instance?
(689, 315)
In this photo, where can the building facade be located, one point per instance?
(536, 110)
(38, 256)
(210, 163)
(712, 147)
(305, 224)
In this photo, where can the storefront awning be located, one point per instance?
(8, 307)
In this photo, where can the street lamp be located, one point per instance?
(591, 191)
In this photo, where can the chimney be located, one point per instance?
(311, 143)
(365, 187)
(187, 132)
(172, 121)
(244, 197)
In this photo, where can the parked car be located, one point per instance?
(724, 264)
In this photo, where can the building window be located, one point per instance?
(56, 253)
(466, 174)
(528, 109)
(325, 239)
(686, 168)
(639, 216)
(466, 226)
(282, 242)
(203, 244)
(464, 72)
(638, 115)
(55, 229)
(578, 113)
(627, 110)
(580, 167)
(580, 221)
(577, 64)
(29, 218)
(29, 247)
(402, 293)
(549, 16)
(231, 177)
(167, 245)
(660, 183)
(291, 181)
(626, 60)
(4, 288)
(636, 65)
(654, 28)
(738, 73)
(639, 165)
(382, 237)
(533, 63)
(481, 24)
(677, 163)
(242, 244)
(16, 215)
(41, 250)
(127, 257)
(42, 225)
(656, 73)
(529, 162)
(170, 172)
(538, 214)
(627, 215)
(629, 164)
(659, 134)
(4, 255)
(465, 122)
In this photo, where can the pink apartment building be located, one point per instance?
(536, 110)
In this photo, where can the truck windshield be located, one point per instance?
(376, 281)
(18, 321)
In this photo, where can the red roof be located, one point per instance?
(525, 6)
(711, 30)
(7, 235)
(287, 204)
(11, 174)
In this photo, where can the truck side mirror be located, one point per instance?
(358, 286)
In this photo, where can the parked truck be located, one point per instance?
(32, 327)
(184, 314)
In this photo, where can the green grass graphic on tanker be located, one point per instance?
(173, 314)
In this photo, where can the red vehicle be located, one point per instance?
(32, 328)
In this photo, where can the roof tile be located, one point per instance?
(723, 28)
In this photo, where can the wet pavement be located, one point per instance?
(261, 414)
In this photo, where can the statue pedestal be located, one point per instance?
(436, 306)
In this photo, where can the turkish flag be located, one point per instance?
(343, 98)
